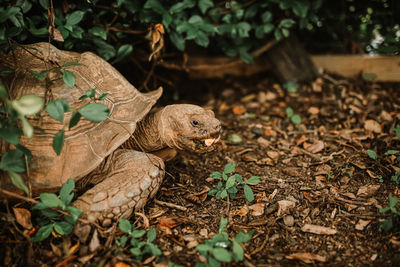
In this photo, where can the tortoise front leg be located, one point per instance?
(132, 178)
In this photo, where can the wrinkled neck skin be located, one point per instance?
(152, 134)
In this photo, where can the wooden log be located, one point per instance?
(290, 61)
(385, 68)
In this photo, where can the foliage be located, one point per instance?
(372, 154)
(371, 26)
(50, 219)
(12, 111)
(295, 118)
(220, 249)
(138, 247)
(110, 28)
(232, 182)
(393, 222)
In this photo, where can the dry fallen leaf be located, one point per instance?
(368, 190)
(273, 155)
(362, 224)
(315, 148)
(313, 110)
(257, 209)
(169, 221)
(301, 140)
(306, 257)
(372, 126)
(23, 217)
(317, 229)
(121, 264)
(243, 211)
(317, 85)
(284, 207)
(95, 242)
(239, 110)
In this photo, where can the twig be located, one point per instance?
(170, 205)
(262, 245)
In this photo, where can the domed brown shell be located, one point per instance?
(88, 143)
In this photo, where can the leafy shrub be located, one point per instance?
(392, 223)
(110, 28)
(222, 190)
(220, 248)
(138, 248)
(50, 219)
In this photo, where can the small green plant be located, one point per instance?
(229, 185)
(393, 222)
(295, 118)
(220, 248)
(393, 152)
(372, 154)
(395, 177)
(138, 248)
(50, 219)
(397, 130)
(290, 86)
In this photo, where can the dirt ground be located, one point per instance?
(319, 168)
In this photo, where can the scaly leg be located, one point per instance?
(130, 180)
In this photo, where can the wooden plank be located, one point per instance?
(386, 68)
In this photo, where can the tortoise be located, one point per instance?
(122, 156)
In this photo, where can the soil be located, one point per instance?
(320, 168)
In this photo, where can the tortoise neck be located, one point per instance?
(148, 136)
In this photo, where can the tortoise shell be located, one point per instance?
(87, 144)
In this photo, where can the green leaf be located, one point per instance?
(66, 194)
(28, 104)
(10, 135)
(3, 91)
(13, 161)
(50, 200)
(277, 34)
(386, 225)
(180, 6)
(222, 224)
(248, 193)
(229, 167)
(63, 228)
(235, 138)
(289, 112)
(44, 3)
(58, 141)
(151, 235)
(123, 52)
(17, 180)
(125, 226)
(285, 32)
(56, 109)
(287, 23)
(177, 40)
(243, 29)
(122, 242)
(230, 182)
(246, 57)
(391, 152)
(296, 119)
(76, 116)
(216, 175)
(138, 233)
(43, 233)
(393, 201)
(202, 39)
(266, 16)
(223, 194)
(75, 212)
(26, 127)
(102, 97)
(69, 78)
(300, 8)
(238, 252)
(204, 5)
(100, 32)
(372, 154)
(212, 192)
(290, 86)
(71, 63)
(155, 5)
(155, 251)
(75, 17)
(267, 28)
(221, 254)
(95, 112)
(253, 180)
(242, 237)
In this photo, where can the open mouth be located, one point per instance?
(206, 143)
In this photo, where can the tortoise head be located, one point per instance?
(190, 127)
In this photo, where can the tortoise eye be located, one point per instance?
(195, 123)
